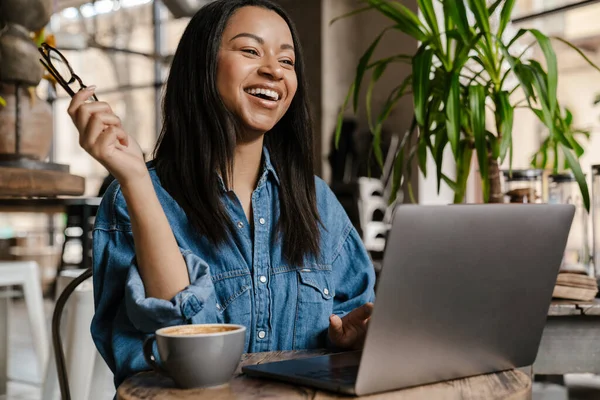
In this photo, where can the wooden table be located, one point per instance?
(512, 384)
(571, 339)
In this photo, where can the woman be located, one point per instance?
(228, 223)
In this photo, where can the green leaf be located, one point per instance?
(545, 154)
(525, 77)
(477, 108)
(453, 119)
(393, 98)
(390, 103)
(422, 154)
(578, 51)
(512, 41)
(578, 173)
(398, 57)
(350, 14)
(340, 118)
(377, 147)
(573, 144)
(494, 145)
(555, 163)
(407, 21)
(505, 15)
(493, 7)
(421, 70)
(551, 65)
(362, 67)
(438, 155)
(457, 11)
(426, 8)
(463, 169)
(377, 72)
(504, 112)
(463, 51)
(399, 163)
(522, 74)
(453, 185)
(568, 117)
(397, 174)
(411, 155)
(539, 82)
(480, 12)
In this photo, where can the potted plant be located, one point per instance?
(458, 71)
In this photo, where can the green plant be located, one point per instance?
(459, 71)
(547, 155)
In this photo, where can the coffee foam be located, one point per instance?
(198, 329)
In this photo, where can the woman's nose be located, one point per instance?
(271, 68)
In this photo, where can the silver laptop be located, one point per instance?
(464, 291)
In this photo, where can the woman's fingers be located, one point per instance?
(79, 99)
(360, 314)
(106, 143)
(85, 112)
(96, 124)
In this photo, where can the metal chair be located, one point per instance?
(59, 354)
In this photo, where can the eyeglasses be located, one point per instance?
(60, 69)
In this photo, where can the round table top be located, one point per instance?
(511, 384)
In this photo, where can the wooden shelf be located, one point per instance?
(20, 182)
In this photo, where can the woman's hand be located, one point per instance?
(349, 332)
(101, 135)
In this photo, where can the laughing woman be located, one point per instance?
(228, 222)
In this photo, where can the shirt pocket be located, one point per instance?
(315, 305)
(233, 301)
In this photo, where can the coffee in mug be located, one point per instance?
(201, 355)
(198, 329)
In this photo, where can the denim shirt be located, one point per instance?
(244, 281)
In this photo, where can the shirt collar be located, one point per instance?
(267, 169)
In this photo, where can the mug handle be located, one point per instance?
(150, 358)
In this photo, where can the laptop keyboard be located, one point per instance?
(340, 374)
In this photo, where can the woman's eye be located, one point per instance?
(289, 62)
(250, 51)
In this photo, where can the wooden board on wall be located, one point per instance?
(20, 182)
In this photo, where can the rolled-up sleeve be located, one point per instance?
(148, 314)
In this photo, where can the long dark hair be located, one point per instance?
(198, 138)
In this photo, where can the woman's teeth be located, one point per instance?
(264, 93)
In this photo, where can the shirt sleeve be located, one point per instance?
(148, 314)
(354, 276)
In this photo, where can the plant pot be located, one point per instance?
(32, 14)
(35, 117)
(19, 57)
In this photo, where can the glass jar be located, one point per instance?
(595, 208)
(563, 189)
(523, 186)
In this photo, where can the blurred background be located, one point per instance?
(124, 47)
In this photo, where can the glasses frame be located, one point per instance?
(45, 50)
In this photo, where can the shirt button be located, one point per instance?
(262, 334)
(262, 221)
(263, 279)
(240, 224)
(326, 291)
